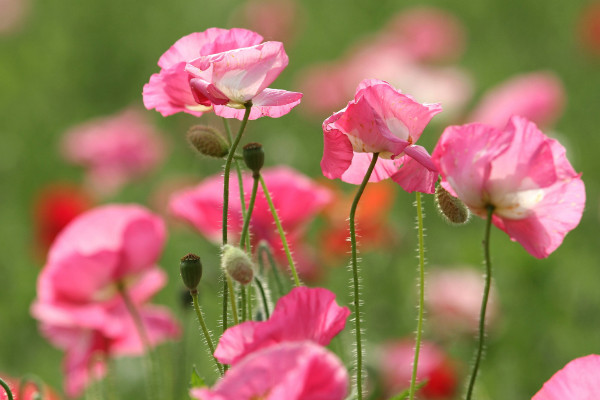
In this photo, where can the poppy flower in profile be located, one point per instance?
(381, 120)
(54, 207)
(101, 256)
(578, 380)
(303, 314)
(291, 371)
(297, 198)
(396, 361)
(525, 176)
(230, 79)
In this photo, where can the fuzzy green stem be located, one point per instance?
(248, 216)
(484, 301)
(355, 278)
(286, 247)
(6, 389)
(207, 336)
(232, 149)
(263, 295)
(243, 303)
(263, 248)
(413, 380)
(232, 299)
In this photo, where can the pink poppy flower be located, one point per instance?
(303, 314)
(536, 194)
(380, 120)
(579, 379)
(169, 91)
(537, 96)
(230, 79)
(396, 361)
(79, 305)
(114, 149)
(291, 371)
(279, 20)
(453, 300)
(297, 198)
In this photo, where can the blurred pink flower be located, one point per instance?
(169, 91)
(229, 79)
(536, 194)
(453, 299)
(54, 207)
(290, 371)
(380, 120)
(79, 305)
(303, 314)
(12, 15)
(275, 19)
(297, 199)
(114, 149)
(537, 96)
(578, 380)
(396, 361)
(28, 391)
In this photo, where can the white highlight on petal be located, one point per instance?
(517, 205)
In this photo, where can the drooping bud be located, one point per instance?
(191, 271)
(452, 209)
(254, 157)
(237, 264)
(208, 141)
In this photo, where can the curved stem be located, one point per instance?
(264, 297)
(232, 149)
(6, 389)
(248, 215)
(355, 278)
(484, 301)
(286, 247)
(205, 330)
(413, 380)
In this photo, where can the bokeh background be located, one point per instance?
(65, 62)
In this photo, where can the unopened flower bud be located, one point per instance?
(254, 157)
(208, 141)
(452, 209)
(191, 271)
(237, 264)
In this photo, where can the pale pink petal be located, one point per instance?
(578, 380)
(291, 371)
(272, 103)
(415, 177)
(337, 153)
(205, 93)
(84, 362)
(538, 96)
(168, 92)
(360, 163)
(303, 314)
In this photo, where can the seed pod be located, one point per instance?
(208, 141)
(237, 264)
(191, 271)
(452, 209)
(254, 157)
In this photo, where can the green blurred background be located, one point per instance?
(75, 60)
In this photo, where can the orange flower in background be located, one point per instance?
(54, 206)
(589, 28)
(375, 205)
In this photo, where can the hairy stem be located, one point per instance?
(207, 336)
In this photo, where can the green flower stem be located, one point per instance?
(249, 213)
(207, 336)
(263, 295)
(484, 301)
(232, 299)
(153, 386)
(243, 303)
(232, 149)
(286, 247)
(6, 389)
(413, 380)
(249, 306)
(357, 317)
(263, 248)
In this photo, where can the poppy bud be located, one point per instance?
(208, 141)
(452, 209)
(254, 157)
(191, 271)
(237, 264)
